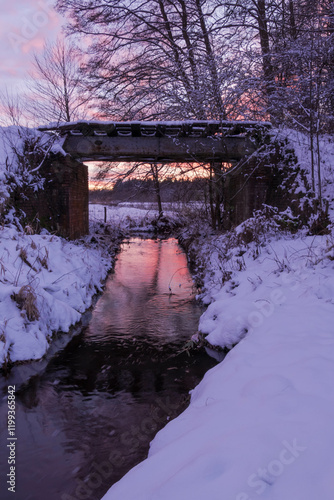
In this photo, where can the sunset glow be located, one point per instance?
(184, 171)
(166, 321)
(24, 28)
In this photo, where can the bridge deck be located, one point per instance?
(171, 141)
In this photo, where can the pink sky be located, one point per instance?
(24, 27)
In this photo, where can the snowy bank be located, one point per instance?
(46, 283)
(260, 423)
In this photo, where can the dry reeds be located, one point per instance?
(26, 300)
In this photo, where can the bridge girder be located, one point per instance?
(158, 149)
(186, 141)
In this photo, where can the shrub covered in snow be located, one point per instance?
(22, 153)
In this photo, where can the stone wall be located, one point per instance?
(245, 190)
(272, 179)
(62, 206)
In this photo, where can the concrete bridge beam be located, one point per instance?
(158, 149)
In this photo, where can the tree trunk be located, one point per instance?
(155, 174)
(218, 194)
(211, 64)
(319, 164)
(265, 52)
(293, 28)
(264, 40)
(212, 209)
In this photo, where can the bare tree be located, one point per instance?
(292, 77)
(12, 109)
(57, 93)
(157, 58)
(211, 59)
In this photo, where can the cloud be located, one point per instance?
(24, 28)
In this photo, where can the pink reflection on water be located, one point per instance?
(148, 295)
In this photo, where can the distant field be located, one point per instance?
(123, 212)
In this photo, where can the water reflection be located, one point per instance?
(91, 415)
(149, 295)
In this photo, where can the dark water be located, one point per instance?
(89, 417)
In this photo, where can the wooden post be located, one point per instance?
(105, 215)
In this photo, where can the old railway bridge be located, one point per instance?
(64, 204)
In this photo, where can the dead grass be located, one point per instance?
(26, 300)
(2, 269)
(2, 331)
(44, 258)
(24, 257)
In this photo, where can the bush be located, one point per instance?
(320, 223)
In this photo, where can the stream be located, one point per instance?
(89, 417)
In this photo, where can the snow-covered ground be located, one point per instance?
(260, 424)
(46, 283)
(125, 215)
(138, 216)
